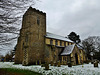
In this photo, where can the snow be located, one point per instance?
(85, 69)
(13, 56)
(54, 36)
(68, 49)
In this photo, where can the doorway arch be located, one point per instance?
(76, 58)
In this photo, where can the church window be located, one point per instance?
(64, 43)
(60, 43)
(68, 58)
(68, 43)
(51, 48)
(51, 42)
(38, 21)
(56, 42)
(23, 44)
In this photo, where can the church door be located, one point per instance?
(76, 57)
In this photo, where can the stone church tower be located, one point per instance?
(31, 42)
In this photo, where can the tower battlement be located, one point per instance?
(31, 42)
(35, 10)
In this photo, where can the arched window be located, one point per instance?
(51, 42)
(38, 20)
(60, 43)
(56, 42)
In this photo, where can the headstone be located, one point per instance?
(46, 66)
(87, 62)
(59, 64)
(82, 65)
(42, 65)
(39, 62)
(36, 62)
(98, 61)
(55, 64)
(51, 63)
(92, 62)
(69, 64)
(95, 64)
(64, 62)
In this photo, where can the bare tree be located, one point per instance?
(91, 44)
(11, 12)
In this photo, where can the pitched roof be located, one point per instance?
(54, 36)
(79, 46)
(13, 56)
(68, 49)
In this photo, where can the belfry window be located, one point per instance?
(38, 21)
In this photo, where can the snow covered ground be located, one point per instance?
(87, 69)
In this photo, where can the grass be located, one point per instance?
(18, 71)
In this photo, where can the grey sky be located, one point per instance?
(64, 16)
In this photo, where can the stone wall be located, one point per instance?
(76, 51)
(33, 46)
(52, 53)
(31, 42)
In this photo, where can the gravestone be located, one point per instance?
(39, 62)
(69, 64)
(95, 64)
(59, 64)
(55, 63)
(64, 62)
(36, 62)
(42, 65)
(82, 65)
(92, 62)
(47, 66)
(51, 63)
(87, 62)
(98, 61)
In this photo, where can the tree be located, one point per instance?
(91, 45)
(74, 37)
(97, 55)
(11, 12)
(8, 56)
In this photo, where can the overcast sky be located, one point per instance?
(65, 16)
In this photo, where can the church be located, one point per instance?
(35, 45)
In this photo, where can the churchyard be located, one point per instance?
(85, 69)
